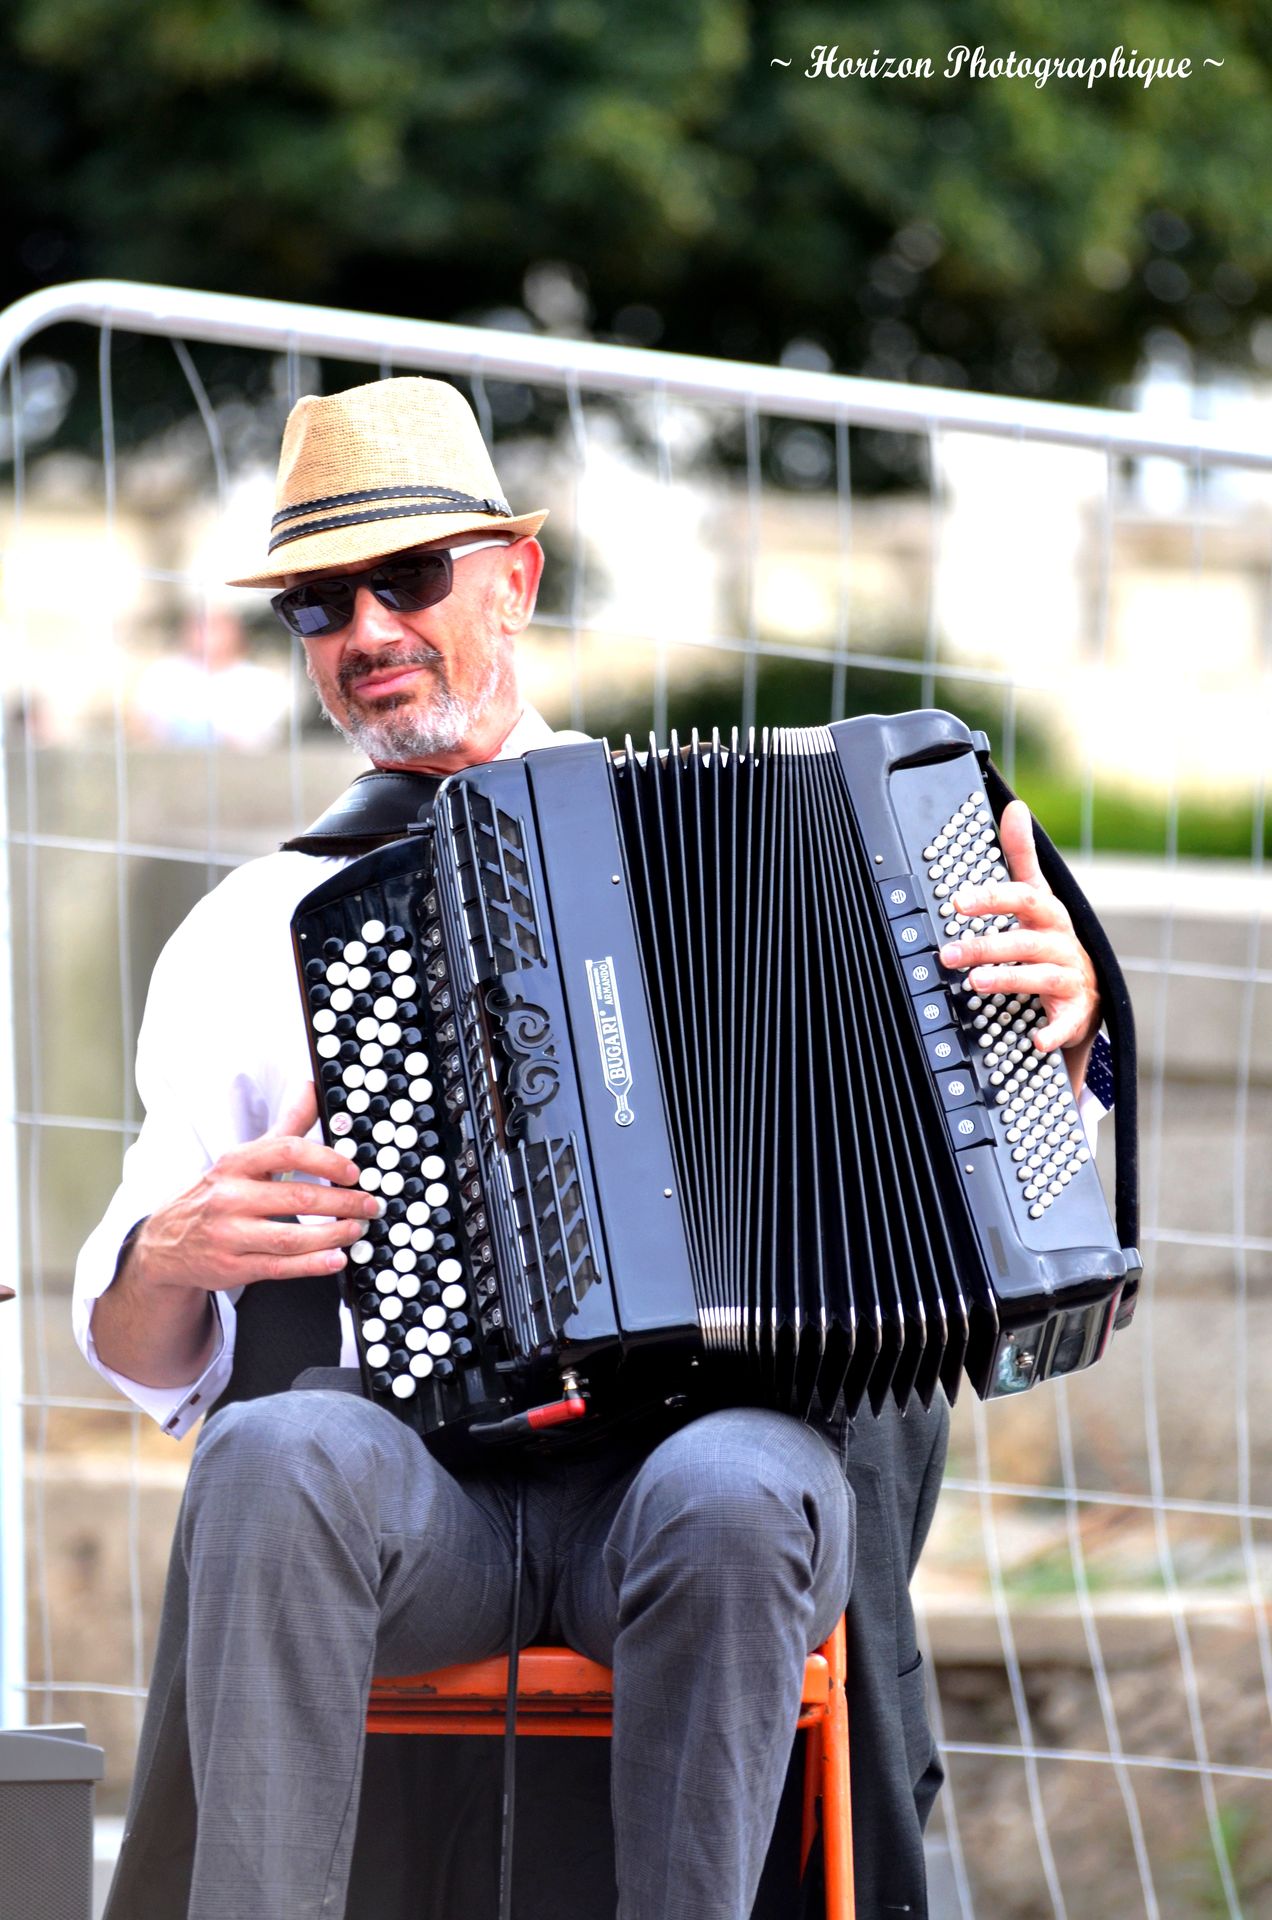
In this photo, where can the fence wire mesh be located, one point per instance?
(725, 546)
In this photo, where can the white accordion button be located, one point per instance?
(359, 1101)
(382, 1132)
(371, 1054)
(420, 1091)
(399, 961)
(404, 1260)
(416, 1339)
(434, 1317)
(354, 1075)
(349, 1148)
(359, 979)
(433, 1167)
(401, 1111)
(404, 986)
(453, 1297)
(422, 1239)
(391, 1183)
(390, 1307)
(355, 953)
(378, 1355)
(439, 1343)
(373, 932)
(376, 1080)
(337, 974)
(369, 1179)
(360, 1252)
(390, 1032)
(421, 1365)
(327, 1046)
(324, 1020)
(384, 1008)
(417, 1213)
(387, 1158)
(373, 1329)
(449, 1271)
(341, 1123)
(403, 1386)
(408, 1285)
(405, 1137)
(415, 1063)
(341, 1000)
(436, 1195)
(399, 1234)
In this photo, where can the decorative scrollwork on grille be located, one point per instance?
(523, 1033)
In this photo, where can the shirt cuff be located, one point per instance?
(176, 1409)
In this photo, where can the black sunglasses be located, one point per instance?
(405, 584)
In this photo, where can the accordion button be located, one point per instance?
(404, 987)
(382, 1382)
(449, 1271)
(421, 1365)
(355, 953)
(420, 1091)
(337, 974)
(399, 962)
(436, 1194)
(372, 930)
(439, 1343)
(453, 1296)
(378, 1355)
(324, 1021)
(327, 1046)
(417, 1213)
(403, 1386)
(435, 1316)
(416, 1339)
(433, 1168)
(391, 1183)
(387, 1157)
(408, 1285)
(369, 1179)
(422, 1239)
(404, 1260)
(415, 1063)
(390, 1307)
(395, 936)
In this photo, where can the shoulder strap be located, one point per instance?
(376, 808)
(1118, 1014)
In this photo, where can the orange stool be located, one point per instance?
(560, 1692)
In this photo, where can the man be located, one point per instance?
(319, 1540)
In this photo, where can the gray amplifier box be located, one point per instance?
(46, 1823)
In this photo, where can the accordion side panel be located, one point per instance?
(617, 1083)
(1046, 1245)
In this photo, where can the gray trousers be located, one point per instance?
(324, 1545)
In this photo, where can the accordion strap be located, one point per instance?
(374, 809)
(1119, 1017)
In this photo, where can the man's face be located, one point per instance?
(402, 687)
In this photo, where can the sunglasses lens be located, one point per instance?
(407, 586)
(324, 607)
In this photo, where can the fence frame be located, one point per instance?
(572, 365)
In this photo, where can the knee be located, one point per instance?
(280, 1444)
(745, 1487)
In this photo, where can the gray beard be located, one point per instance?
(406, 735)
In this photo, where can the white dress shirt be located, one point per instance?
(222, 1052)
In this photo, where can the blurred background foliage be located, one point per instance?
(431, 161)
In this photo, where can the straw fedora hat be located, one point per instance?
(377, 469)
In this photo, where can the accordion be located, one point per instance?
(652, 1061)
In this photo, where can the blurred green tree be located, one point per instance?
(640, 170)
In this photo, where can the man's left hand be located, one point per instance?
(1041, 955)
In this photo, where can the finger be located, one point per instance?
(284, 1239)
(1033, 906)
(299, 1113)
(1038, 982)
(254, 1267)
(1071, 1026)
(1020, 944)
(260, 1199)
(273, 1154)
(1015, 833)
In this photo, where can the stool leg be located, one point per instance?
(813, 1765)
(837, 1789)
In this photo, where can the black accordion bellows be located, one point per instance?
(825, 1222)
(669, 1098)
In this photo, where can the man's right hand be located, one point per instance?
(225, 1231)
(155, 1323)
